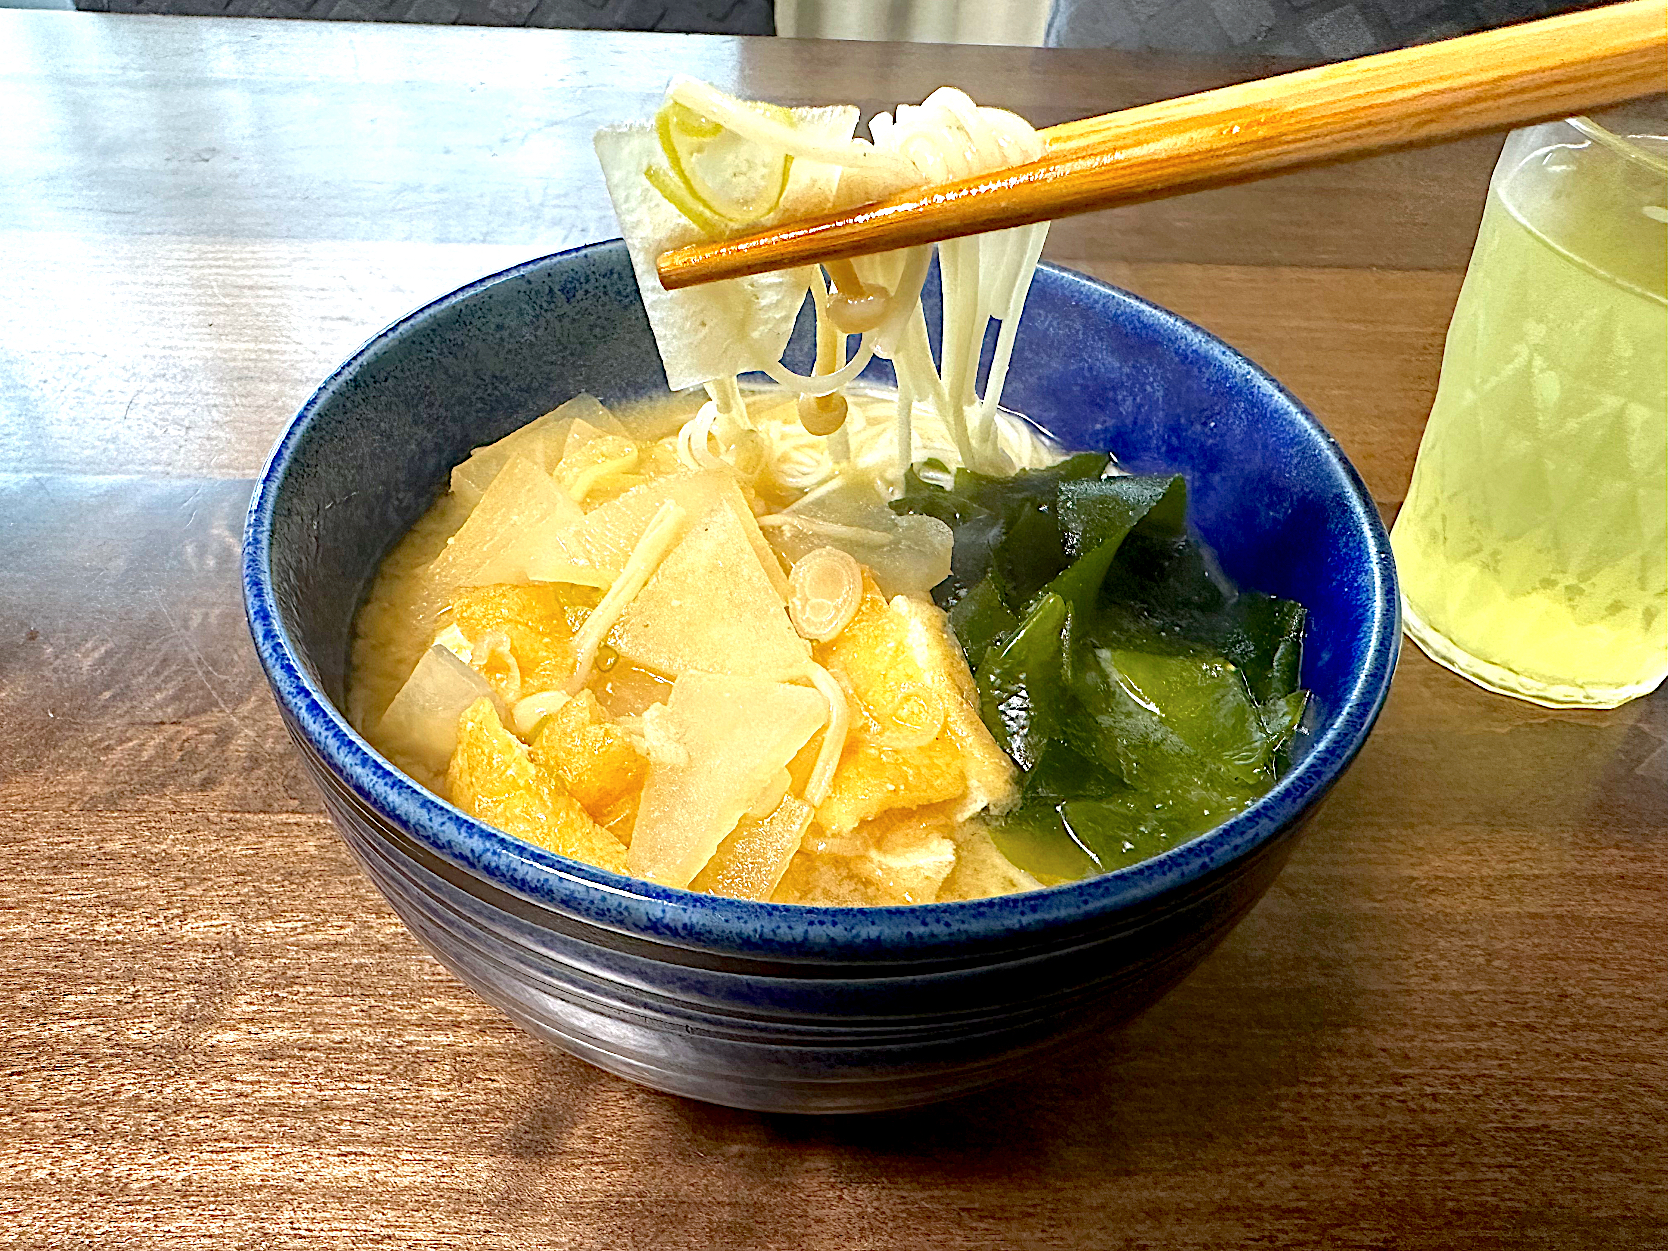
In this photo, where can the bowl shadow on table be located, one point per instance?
(1204, 1065)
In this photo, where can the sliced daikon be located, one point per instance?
(908, 555)
(735, 735)
(711, 606)
(768, 559)
(593, 549)
(751, 861)
(592, 459)
(593, 412)
(724, 328)
(421, 723)
(521, 498)
(543, 441)
(662, 535)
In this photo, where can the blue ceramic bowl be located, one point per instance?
(773, 1006)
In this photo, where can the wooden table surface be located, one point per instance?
(1444, 1026)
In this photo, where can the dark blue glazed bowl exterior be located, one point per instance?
(773, 1006)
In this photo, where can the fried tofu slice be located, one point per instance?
(903, 856)
(520, 636)
(492, 777)
(825, 881)
(981, 868)
(917, 738)
(992, 779)
(872, 780)
(910, 853)
(592, 757)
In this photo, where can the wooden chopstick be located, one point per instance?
(1518, 74)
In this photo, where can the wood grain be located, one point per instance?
(1443, 1028)
(1574, 63)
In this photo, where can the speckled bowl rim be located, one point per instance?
(742, 927)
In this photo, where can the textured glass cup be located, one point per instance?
(1533, 545)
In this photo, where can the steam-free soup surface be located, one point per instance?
(689, 750)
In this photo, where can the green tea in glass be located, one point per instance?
(1533, 544)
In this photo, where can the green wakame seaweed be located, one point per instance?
(1145, 697)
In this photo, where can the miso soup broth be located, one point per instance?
(753, 668)
(822, 645)
(690, 751)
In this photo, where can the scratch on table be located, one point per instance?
(198, 664)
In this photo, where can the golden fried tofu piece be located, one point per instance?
(492, 777)
(529, 623)
(917, 737)
(981, 868)
(825, 881)
(591, 755)
(901, 857)
(872, 780)
(620, 817)
(992, 779)
(910, 854)
(874, 656)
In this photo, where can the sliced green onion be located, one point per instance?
(678, 195)
(681, 132)
(692, 123)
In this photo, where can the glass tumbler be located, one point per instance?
(1532, 548)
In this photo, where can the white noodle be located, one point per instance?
(586, 479)
(1020, 286)
(821, 780)
(800, 462)
(983, 279)
(727, 396)
(839, 445)
(906, 407)
(695, 441)
(823, 384)
(906, 298)
(663, 531)
(737, 116)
